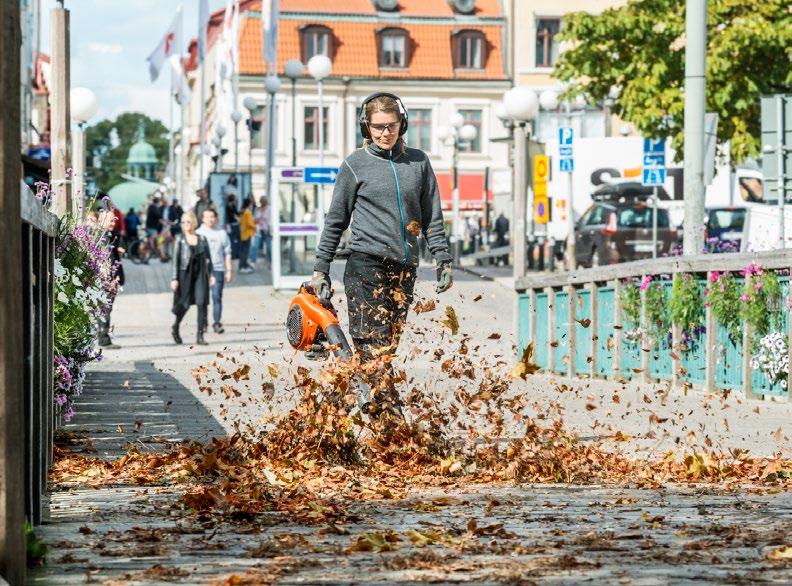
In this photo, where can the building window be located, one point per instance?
(316, 40)
(419, 132)
(311, 135)
(473, 117)
(393, 46)
(546, 45)
(469, 50)
(256, 126)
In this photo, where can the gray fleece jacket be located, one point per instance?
(394, 197)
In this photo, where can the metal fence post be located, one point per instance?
(551, 328)
(617, 328)
(572, 335)
(646, 342)
(676, 342)
(711, 349)
(593, 327)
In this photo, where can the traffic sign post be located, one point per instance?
(654, 174)
(320, 174)
(541, 173)
(566, 164)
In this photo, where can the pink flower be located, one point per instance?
(714, 276)
(645, 283)
(752, 269)
(757, 285)
(745, 297)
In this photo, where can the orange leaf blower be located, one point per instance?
(312, 324)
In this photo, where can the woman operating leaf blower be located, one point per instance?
(389, 194)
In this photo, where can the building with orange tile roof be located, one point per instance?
(438, 57)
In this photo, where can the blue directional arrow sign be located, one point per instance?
(320, 174)
(564, 151)
(653, 160)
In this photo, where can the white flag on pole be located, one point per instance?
(203, 25)
(170, 45)
(180, 89)
(270, 14)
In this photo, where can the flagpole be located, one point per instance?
(171, 166)
(202, 127)
(236, 118)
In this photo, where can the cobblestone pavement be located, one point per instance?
(144, 394)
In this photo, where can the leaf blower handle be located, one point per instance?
(321, 286)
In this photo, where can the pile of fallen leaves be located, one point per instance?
(321, 455)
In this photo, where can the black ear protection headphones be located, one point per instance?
(362, 116)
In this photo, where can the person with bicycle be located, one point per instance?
(388, 192)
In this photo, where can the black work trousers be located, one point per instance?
(379, 293)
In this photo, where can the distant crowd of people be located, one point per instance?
(201, 246)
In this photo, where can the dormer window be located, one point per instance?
(469, 49)
(316, 40)
(394, 44)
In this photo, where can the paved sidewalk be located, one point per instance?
(145, 394)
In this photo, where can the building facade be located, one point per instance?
(440, 56)
(534, 51)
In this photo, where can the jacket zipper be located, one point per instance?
(399, 201)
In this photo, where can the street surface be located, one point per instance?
(145, 396)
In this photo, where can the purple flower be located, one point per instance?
(69, 413)
(645, 283)
(61, 399)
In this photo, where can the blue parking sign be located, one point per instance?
(566, 136)
(654, 145)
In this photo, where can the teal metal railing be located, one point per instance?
(578, 327)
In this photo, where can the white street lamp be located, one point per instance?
(548, 100)
(521, 103)
(456, 133)
(272, 84)
(522, 106)
(83, 105)
(250, 105)
(294, 70)
(319, 66)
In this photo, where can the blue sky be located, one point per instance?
(110, 40)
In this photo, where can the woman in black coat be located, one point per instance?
(192, 277)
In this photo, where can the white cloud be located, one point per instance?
(106, 48)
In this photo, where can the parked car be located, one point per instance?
(724, 229)
(619, 231)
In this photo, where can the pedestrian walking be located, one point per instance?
(501, 236)
(262, 241)
(247, 229)
(132, 222)
(202, 204)
(220, 252)
(232, 224)
(191, 277)
(105, 221)
(388, 192)
(153, 223)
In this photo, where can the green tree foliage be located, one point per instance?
(108, 143)
(639, 49)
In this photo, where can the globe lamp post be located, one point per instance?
(84, 105)
(522, 106)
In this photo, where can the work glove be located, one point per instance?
(321, 285)
(445, 277)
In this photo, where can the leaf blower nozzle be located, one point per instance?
(312, 324)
